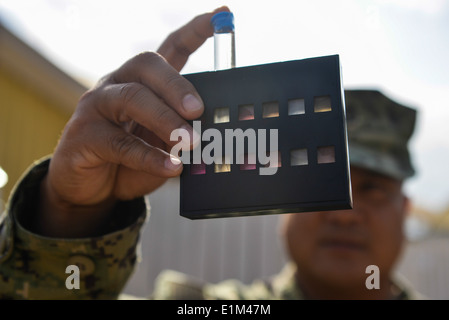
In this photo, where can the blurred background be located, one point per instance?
(51, 51)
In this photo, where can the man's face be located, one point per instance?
(337, 246)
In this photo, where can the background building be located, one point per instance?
(36, 100)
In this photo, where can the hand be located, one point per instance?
(115, 146)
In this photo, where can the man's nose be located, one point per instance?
(343, 217)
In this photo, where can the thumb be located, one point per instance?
(180, 44)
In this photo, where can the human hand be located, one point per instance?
(115, 145)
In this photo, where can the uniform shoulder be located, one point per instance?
(174, 285)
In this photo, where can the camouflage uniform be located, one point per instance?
(282, 286)
(33, 266)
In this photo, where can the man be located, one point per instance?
(331, 251)
(84, 205)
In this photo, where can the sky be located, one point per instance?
(397, 46)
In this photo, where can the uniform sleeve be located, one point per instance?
(37, 267)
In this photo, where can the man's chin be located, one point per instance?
(343, 271)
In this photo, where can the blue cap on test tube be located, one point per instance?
(223, 22)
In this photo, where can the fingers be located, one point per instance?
(151, 70)
(109, 143)
(183, 42)
(130, 151)
(123, 103)
(136, 182)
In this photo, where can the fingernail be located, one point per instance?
(172, 163)
(191, 103)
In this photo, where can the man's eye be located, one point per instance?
(373, 187)
(370, 186)
(375, 190)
